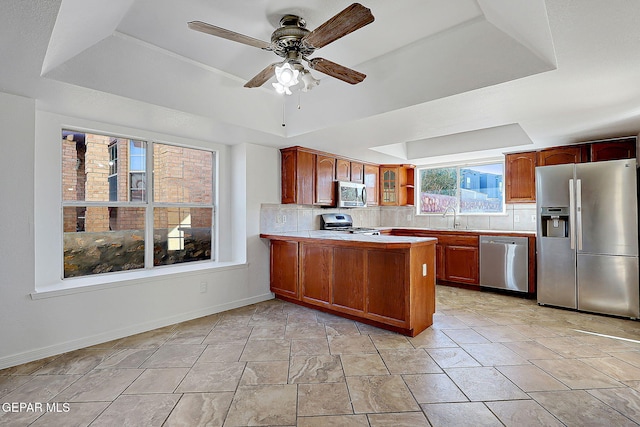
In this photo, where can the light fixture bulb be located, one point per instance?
(308, 81)
(286, 76)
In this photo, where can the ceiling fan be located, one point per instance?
(293, 42)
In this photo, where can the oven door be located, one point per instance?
(351, 195)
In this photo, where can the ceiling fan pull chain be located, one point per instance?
(299, 100)
(283, 112)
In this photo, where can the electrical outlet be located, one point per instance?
(284, 219)
(408, 217)
(516, 218)
(279, 218)
(203, 287)
(533, 218)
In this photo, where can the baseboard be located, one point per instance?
(64, 347)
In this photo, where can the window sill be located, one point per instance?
(110, 281)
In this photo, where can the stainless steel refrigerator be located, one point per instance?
(587, 237)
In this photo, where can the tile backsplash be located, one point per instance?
(275, 218)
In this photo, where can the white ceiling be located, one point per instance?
(446, 80)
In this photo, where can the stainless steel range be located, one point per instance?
(344, 222)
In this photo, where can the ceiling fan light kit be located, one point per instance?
(293, 42)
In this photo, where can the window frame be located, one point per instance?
(458, 167)
(148, 204)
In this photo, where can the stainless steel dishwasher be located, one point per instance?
(504, 262)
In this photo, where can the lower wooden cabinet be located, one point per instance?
(386, 290)
(316, 267)
(347, 293)
(389, 288)
(440, 262)
(457, 255)
(284, 268)
(461, 264)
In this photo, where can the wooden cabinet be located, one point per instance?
(460, 258)
(613, 150)
(297, 182)
(325, 188)
(440, 264)
(308, 178)
(457, 254)
(343, 170)
(461, 264)
(396, 185)
(386, 284)
(284, 268)
(347, 293)
(371, 182)
(520, 175)
(357, 172)
(561, 155)
(386, 287)
(347, 170)
(316, 268)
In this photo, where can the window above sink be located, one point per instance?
(465, 189)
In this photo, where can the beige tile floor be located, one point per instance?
(488, 359)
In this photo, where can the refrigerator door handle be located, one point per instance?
(572, 215)
(579, 213)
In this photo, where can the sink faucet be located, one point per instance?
(455, 215)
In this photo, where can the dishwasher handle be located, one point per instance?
(498, 242)
(487, 240)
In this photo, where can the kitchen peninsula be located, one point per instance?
(385, 281)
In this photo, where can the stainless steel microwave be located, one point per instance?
(351, 195)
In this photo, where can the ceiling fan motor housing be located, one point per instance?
(287, 38)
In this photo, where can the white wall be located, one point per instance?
(263, 171)
(30, 258)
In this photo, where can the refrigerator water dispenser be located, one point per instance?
(554, 221)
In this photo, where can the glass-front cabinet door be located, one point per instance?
(389, 186)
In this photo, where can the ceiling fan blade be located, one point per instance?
(203, 27)
(350, 19)
(336, 70)
(262, 76)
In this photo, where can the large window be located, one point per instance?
(109, 222)
(183, 204)
(469, 189)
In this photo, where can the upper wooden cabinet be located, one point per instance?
(325, 184)
(520, 175)
(613, 150)
(396, 185)
(371, 179)
(520, 167)
(357, 172)
(561, 155)
(343, 170)
(297, 168)
(308, 178)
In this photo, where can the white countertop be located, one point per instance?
(348, 237)
(462, 230)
